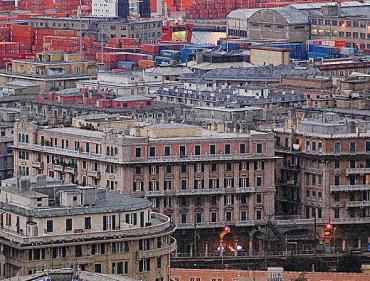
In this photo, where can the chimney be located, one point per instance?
(24, 184)
(41, 180)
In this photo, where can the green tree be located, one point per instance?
(349, 263)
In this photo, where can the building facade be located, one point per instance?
(50, 70)
(63, 225)
(197, 177)
(324, 174)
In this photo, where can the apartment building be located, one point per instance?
(149, 30)
(325, 173)
(51, 71)
(334, 22)
(50, 225)
(200, 178)
(6, 152)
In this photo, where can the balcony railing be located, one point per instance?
(361, 171)
(37, 164)
(159, 224)
(69, 170)
(156, 159)
(58, 168)
(165, 250)
(201, 225)
(351, 204)
(357, 187)
(94, 174)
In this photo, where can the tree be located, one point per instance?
(349, 263)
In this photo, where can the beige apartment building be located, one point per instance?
(199, 178)
(45, 224)
(325, 173)
(50, 70)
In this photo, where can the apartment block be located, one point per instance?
(199, 178)
(325, 175)
(49, 225)
(51, 71)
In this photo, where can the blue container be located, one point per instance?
(160, 60)
(126, 65)
(175, 55)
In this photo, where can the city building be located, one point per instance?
(50, 70)
(148, 30)
(126, 83)
(198, 177)
(288, 23)
(67, 274)
(50, 226)
(16, 87)
(347, 21)
(324, 174)
(6, 152)
(210, 95)
(182, 274)
(110, 8)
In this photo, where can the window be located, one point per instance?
(228, 199)
(58, 252)
(78, 251)
(138, 152)
(198, 217)
(183, 218)
(49, 226)
(228, 167)
(212, 149)
(336, 213)
(227, 149)
(98, 268)
(159, 262)
(152, 151)
(144, 265)
(258, 181)
(183, 168)
(352, 147)
(213, 167)
(258, 198)
(68, 224)
(88, 223)
(120, 247)
(337, 180)
(138, 170)
(213, 217)
(197, 150)
(183, 184)
(244, 182)
(243, 215)
(168, 169)
(258, 215)
(167, 151)
(368, 146)
(337, 147)
(109, 222)
(213, 200)
(228, 216)
(182, 150)
(242, 148)
(259, 148)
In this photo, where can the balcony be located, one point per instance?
(201, 225)
(37, 164)
(94, 174)
(357, 187)
(359, 171)
(292, 167)
(160, 223)
(165, 250)
(291, 183)
(69, 170)
(200, 191)
(58, 168)
(361, 204)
